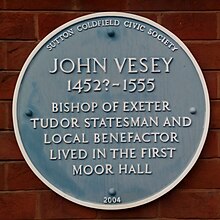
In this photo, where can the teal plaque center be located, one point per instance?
(111, 110)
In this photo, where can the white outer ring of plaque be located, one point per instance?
(118, 206)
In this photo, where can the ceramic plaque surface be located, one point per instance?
(111, 110)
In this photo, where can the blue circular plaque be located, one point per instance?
(111, 110)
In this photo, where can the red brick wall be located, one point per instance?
(23, 23)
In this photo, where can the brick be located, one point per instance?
(2, 176)
(69, 5)
(190, 204)
(211, 148)
(18, 205)
(7, 84)
(9, 149)
(2, 55)
(206, 53)
(17, 26)
(21, 177)
(218, 29)
(144, 211)
(204, 175)
(215, 116)
(99, 5)
(51, 208)
(1, 4)
(5, 115)
(212, 79)
(191, 25)
(173, 5)
(17, 53)
(49, 21)
(151, 16)
(41, 5)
